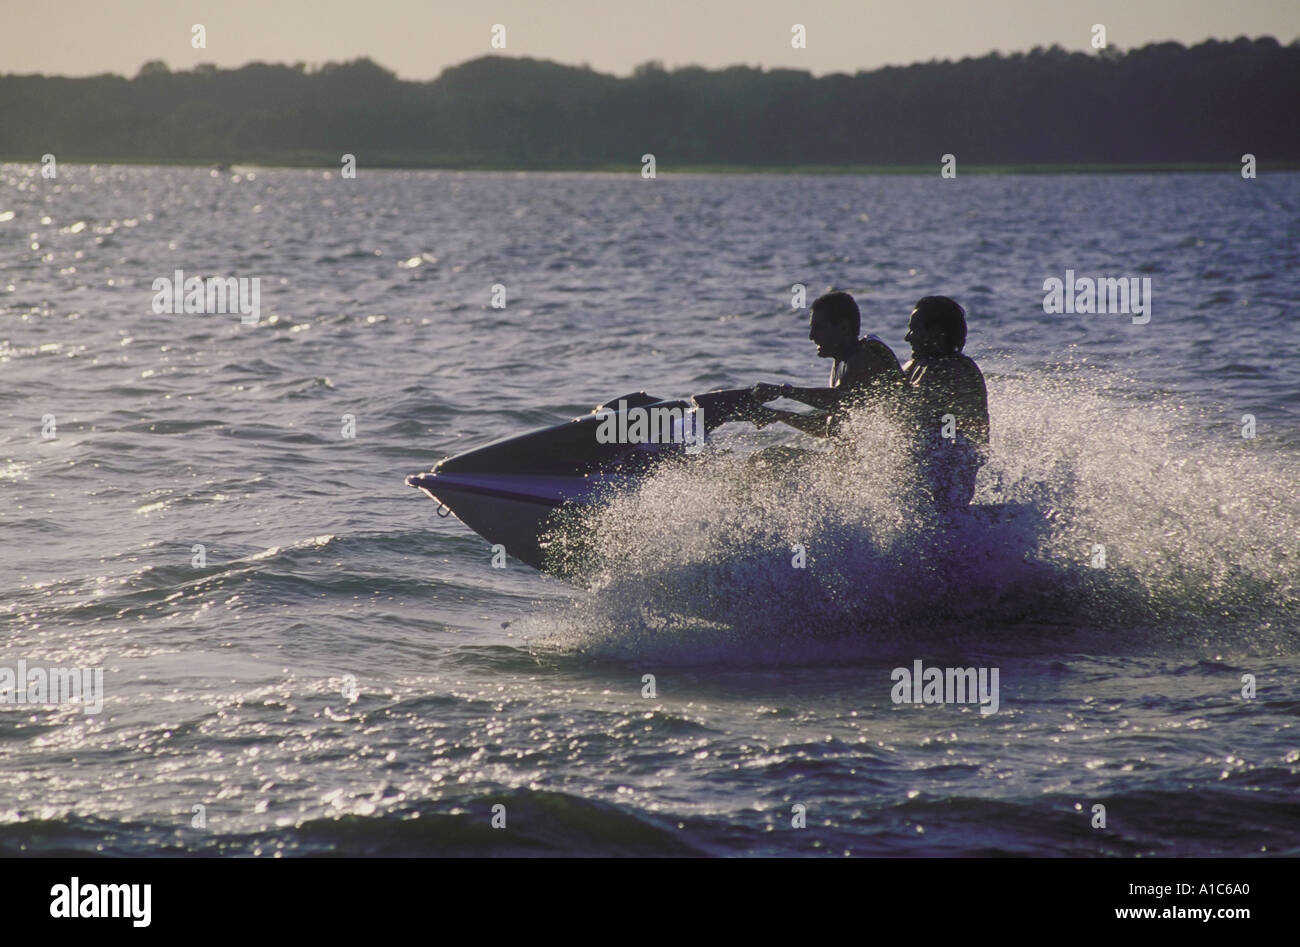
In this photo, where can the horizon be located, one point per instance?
(80, 39)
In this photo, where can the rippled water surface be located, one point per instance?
(226, 684)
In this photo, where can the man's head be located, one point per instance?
(937, 327)
(834, 324)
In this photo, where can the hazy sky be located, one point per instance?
(418, 38)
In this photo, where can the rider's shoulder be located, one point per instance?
(873, 350)
(935, 367)
(966, 365)
(873, 343)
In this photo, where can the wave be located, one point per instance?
(537, 823)
(1230, 822)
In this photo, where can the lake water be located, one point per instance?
(226, 685)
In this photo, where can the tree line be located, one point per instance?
(1159, 104)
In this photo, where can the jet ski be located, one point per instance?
(510, 491)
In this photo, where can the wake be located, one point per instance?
(1101, 523)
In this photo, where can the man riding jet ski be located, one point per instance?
(507, 491)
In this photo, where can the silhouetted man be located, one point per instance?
(947, 402)
(863, 368)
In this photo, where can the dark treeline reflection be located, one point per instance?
(1161, 103)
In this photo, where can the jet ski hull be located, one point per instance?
(509, 491)
(513, 511)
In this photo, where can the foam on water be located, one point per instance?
(1198, 526)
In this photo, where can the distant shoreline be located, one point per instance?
(1161, 108)
(633, 168)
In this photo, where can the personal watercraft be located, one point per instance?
(510, 490)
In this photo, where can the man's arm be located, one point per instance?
(826, 399)
(814, 424)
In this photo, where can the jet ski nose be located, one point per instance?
(426, 479)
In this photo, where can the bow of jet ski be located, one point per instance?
(507, 491)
